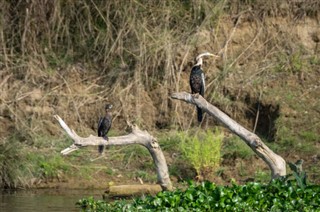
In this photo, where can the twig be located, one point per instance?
(258, 113)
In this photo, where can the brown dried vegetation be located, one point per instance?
(70, 57)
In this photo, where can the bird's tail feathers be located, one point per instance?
(199, 113)
(101, 149)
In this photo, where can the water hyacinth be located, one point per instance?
(278, 195)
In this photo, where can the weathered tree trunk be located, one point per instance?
(276, 163)
(136, 137)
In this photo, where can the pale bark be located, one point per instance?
(275, 162)
(136, 137)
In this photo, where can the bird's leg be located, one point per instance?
(105, 137)
(101, 155)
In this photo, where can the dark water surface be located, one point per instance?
(44, 199)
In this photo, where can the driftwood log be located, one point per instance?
(137, 136)
(131, 191)
(275, 162)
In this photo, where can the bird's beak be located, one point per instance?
(206, 54)
(213, 55)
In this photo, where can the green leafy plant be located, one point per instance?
(202, 150)
(89, 204)
(298, 173)
(207, 196)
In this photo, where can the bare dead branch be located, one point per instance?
(137, 136)
(275, 162)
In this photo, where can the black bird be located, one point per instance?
(197, 80)
(104, 126)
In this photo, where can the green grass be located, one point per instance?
(170, 141)
(262, 176)
(11, 159)
(189, 154)
(235, 147)
(301, 142)
(22, 166)
(309, 136)
(53, 166)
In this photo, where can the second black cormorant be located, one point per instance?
(104, 125)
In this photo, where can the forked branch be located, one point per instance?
(137, 136)
(275, 162)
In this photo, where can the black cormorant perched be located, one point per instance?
(104, 125)
(197, 80)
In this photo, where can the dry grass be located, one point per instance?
(69, 57)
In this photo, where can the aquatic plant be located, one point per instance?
(206, 196)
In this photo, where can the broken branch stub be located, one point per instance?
(275, 162)
(137, 136)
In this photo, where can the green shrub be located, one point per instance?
(202, 150)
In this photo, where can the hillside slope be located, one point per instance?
(69, 58)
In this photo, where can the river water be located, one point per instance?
(44, 199)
